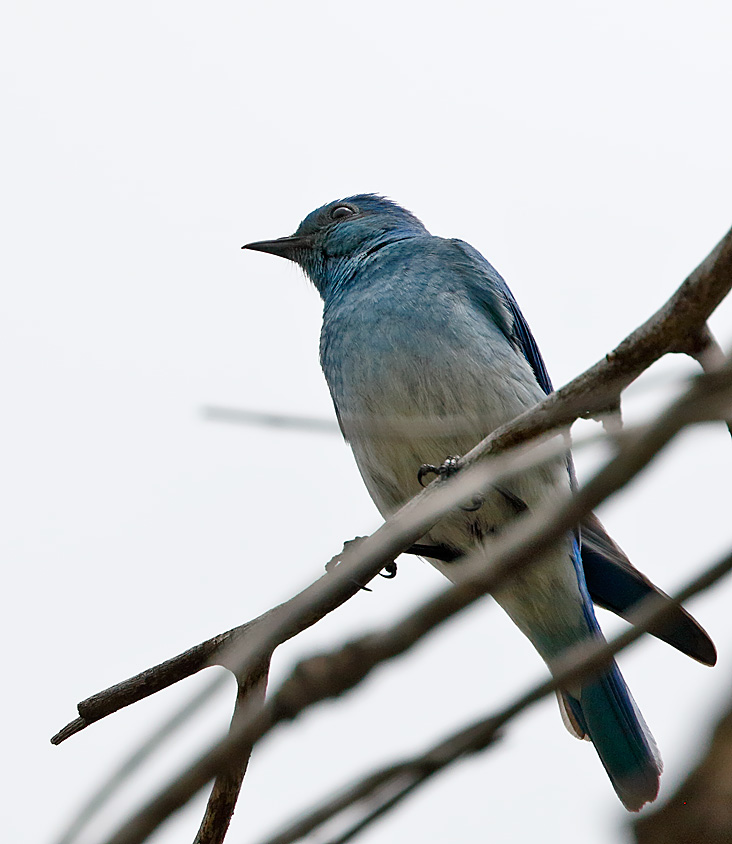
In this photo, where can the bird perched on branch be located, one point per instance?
(426, 352)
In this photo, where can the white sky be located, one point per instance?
(584, 148)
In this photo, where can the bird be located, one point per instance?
(425, 352)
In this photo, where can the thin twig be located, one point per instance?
(148, 682)
(285, 421)
(211, 652)
(321, 424)
(709, 355)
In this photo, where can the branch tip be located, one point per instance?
(71, 729)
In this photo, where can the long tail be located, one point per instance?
(551, 606)
(604, 711)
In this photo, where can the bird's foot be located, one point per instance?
(349, 545)
(449, 468)
(389, 571)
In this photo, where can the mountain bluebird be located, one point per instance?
(426, 352)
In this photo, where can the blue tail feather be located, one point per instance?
(615, 584)
(607, 713)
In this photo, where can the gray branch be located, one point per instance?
(331, 675)
(383, 788)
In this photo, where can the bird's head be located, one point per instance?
(332, 241)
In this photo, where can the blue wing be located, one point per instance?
(494, 296)
(525, 340)
(612, 581)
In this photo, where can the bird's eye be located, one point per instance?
(341, 211)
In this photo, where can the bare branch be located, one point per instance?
(147, 683)
(211, 652)
(227, 785)
(220, 650)
(521, 546)
(384, 788)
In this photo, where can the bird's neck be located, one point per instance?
(335, 275)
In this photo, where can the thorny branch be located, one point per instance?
(679, 326)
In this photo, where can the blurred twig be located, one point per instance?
(136, 759)
(383, 788)
(709, 355)
(700, 810)
(288, 422)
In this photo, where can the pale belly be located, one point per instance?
(544, 600)
(401, 408)
(408, 416)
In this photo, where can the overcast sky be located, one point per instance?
(583, 147)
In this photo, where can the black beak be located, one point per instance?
(285, 247)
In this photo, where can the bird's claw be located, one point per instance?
(389, 568)
(449, 468)
(424, 470)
